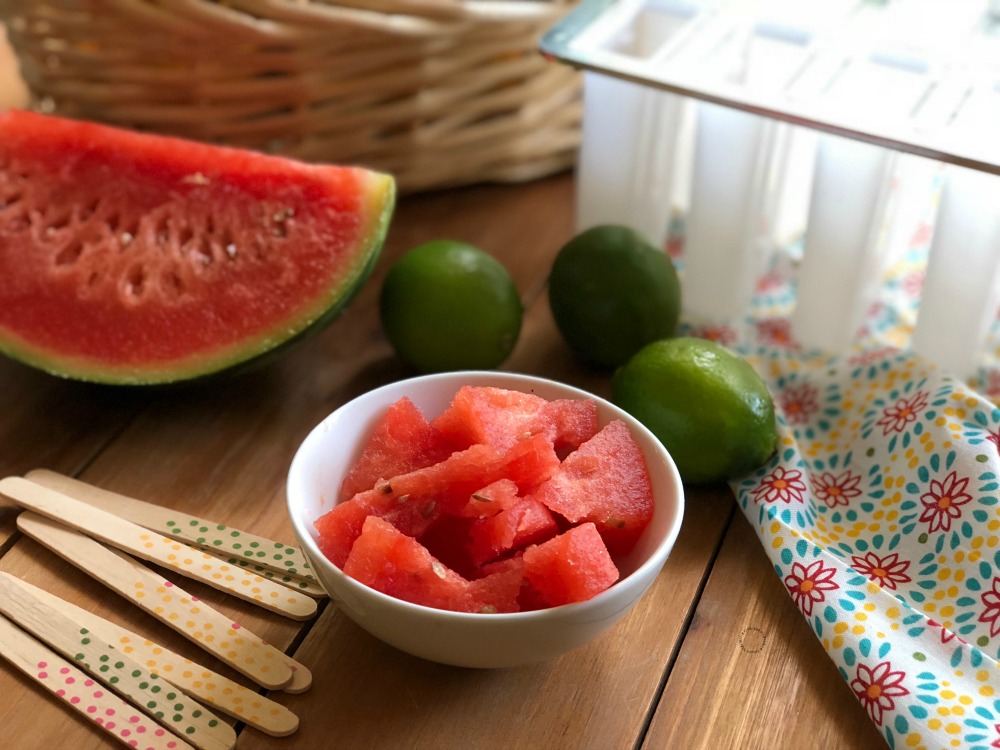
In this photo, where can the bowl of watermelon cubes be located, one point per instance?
(484, 519)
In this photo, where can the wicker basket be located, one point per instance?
(437, 92)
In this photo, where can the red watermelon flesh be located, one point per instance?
(389, 561)
(604, 481)
(572, 567)
(500, 589)
(490, 500)
(499, 417)
(136, 258)
(526, 522)
(486, 517)
(414, 501)
(402, 441)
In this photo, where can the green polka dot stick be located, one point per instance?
(156, 548)
(216, 690)
(217, 538)
(81, 694)
(155, 697)
(170, 604)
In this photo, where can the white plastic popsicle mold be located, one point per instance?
(841, 123)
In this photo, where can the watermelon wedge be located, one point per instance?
(130, 258)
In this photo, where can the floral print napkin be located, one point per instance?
(881, 511)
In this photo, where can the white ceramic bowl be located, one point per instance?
(472, 640)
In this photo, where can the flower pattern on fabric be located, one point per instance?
(903, 413)
(808, 585)
(942, 502)
(799, 403)
(877, 687)
(886, 571)
(991, 608)
(781, 485)
(836, 490)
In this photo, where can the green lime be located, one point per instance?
(707, 405)
(611, 293)
(446, 305)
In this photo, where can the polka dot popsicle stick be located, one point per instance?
(305, 585)
(82, 694)
(118, 671)
(149, 545)
(223, 540)
(170, 604)
(214, 689)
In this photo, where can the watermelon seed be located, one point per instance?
(385, 488)
(87, 211)
(126, 239)
(136, 281)
(482, 498)
(616, 523)
(489, 609)
(403, 498)
(70, 254)
(60, 221)
(231, 250)
(438, 569)
(428, 509)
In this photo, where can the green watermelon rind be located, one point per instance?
(248, 352)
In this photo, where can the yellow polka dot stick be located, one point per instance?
(214, 689)
(82, 694)
(218, 538)
(115, 669)
(154, 547)
(171, 605)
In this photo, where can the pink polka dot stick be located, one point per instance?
(82, 694)
(213, 689)
(170, 604)
(272, 560)
(115, 669)
(165, 552)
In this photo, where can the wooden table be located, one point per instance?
(715, 656)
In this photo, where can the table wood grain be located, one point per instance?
(715, 656)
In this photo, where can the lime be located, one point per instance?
(612, 292)
(446, 305)
(707, 405)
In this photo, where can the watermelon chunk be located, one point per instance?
(389, 561)
(525, 522)
(572, 567)
(402, 441)
(606, 482)
(414, 501)
(499, 417)
(134, 258)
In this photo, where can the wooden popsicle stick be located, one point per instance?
(118, 671)
(307, 586)
(214, 689)
(158, 549)
(81, 694)
(168, 603)
(218, 538)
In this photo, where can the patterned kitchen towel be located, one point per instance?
(881, 509)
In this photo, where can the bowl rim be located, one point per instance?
(648, 567)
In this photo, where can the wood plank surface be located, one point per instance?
(751, 673)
